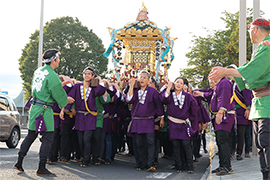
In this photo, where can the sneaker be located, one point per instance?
(239, 157)
(217, 170)
(224, 171)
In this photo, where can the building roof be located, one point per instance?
(19, 100)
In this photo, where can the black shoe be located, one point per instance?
(151, 169)
(205, 151)
(84, 164)
(224, 171)
(217, 170)
(107, 161)
(42, 171)
(18, 166)
(239, 157)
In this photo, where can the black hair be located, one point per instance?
(184, 80)
(48, 54)
(154, 82)
(217, 65)
(90, 69)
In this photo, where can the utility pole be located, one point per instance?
(256, 14)
(242, 33)
(40, 46)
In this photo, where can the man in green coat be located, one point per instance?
(46, 90)
(255, 76)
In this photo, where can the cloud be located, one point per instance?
(12, 83)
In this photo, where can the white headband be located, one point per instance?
(52, 58)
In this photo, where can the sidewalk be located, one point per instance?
(246, 169)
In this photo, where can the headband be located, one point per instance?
(88, 69)
(146, 72)
(52, 58)
(259, 22)
(232, 66)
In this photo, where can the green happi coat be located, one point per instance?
(256, 74)
(47, 87)
(99, 104)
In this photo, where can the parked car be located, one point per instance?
(10, 131)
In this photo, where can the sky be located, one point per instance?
(20, 19)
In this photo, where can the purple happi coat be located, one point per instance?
(187, 108)
(68, 119)
(109, 112)
(144, 110)
(202, 115)
(109, 123)
(85, 122)
(221, 99)
(245, 96)
(56, 111)
(28, 103)
(208, 93)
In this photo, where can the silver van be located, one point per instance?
(10, 131)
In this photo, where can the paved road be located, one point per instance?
(121, 168)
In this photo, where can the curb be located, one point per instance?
(207, 172)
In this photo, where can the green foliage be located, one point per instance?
(218, 47)
(79, 48)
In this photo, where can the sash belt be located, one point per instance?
(38, 102)
(150, 117)
(261, 92)
(176, 120)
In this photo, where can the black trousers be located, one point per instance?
(84, 138)
(223, 143)
(75, 147)
(241, 130)
(146, 159)
(179, 144)
(166, 143)
(47, 138)
(65, 142)
(53, 155)
(96, 144)
(261, 130)
(196, 140)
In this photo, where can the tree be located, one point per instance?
(218, 47)
(79, 48)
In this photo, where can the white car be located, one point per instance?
(10, 131)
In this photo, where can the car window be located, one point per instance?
(4, 105)
(12, 106)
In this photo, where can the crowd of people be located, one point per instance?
(91, 121)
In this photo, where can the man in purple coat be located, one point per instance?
(86, 111)
(146, 105)
(224, 110)
(242, 101)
